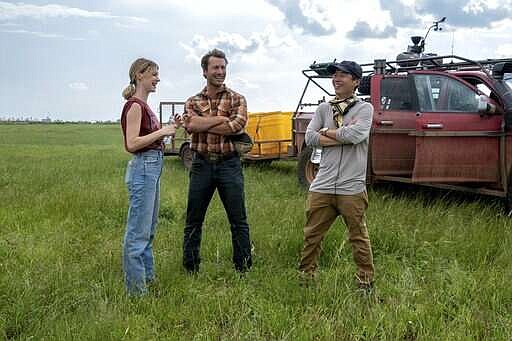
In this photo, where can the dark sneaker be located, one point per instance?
(191, 271)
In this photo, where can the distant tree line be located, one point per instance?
(50, 121)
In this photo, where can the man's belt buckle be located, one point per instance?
(214, 157)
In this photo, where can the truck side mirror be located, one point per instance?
(484, 107)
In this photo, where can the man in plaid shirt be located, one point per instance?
(211, 117)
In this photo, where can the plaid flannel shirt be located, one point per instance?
(226, 103)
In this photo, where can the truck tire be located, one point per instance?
(186, 155)
(365, 85)
(306, 170)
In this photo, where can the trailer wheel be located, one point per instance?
(306, 170)
(186, 155)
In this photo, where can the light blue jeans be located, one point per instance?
(143, 182)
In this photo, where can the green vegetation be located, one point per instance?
(444, 261)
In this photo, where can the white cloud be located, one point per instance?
(235, 44)
(504, 51)
(317, 11)
(305, 16)
(35, 33)
(273, 39)
(241, 83)
(203, 8)
(10, 11)
(362, 30)
(231, 43)
(78, 86)
(479, 6)
(41, 34)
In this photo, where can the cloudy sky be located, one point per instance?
(69, 59)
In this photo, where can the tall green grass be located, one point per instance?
(443, 260)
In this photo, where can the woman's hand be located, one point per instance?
(168, 130)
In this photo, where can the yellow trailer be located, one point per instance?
(271, 133)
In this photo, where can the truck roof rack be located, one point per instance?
(434, 63)
(431, 62)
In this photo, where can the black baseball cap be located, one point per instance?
(347, 66)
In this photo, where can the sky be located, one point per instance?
(69, 60)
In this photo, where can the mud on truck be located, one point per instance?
(441, 121)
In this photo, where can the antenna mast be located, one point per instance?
(453, 40)
(434, 26)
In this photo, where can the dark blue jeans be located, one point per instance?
(225, 176)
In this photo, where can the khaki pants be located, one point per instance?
(322, 210)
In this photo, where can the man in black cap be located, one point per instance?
(341, 128)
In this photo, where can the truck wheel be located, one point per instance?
(186, 155)
(364, 85)
(306, 170)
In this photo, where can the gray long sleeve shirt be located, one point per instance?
(342, 167)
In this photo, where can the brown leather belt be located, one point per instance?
(215, 157)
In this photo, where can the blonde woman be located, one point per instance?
(143, 138)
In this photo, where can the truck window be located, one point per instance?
(437, 93)
(508, 79)
(395, 94)
(484, 88)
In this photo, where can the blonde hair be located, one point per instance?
(138, 66)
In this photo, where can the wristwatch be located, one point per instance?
(323, 131)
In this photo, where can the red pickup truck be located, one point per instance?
(442, 121)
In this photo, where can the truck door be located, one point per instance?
(454, 142)
(392, 146)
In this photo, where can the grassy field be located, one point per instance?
(443, 261)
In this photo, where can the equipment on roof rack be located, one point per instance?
(415, 51)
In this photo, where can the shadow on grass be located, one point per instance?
(429, 196)
(279, 167)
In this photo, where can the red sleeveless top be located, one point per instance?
(148, 123)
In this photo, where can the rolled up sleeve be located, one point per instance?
(238, 118)
(189, 107)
